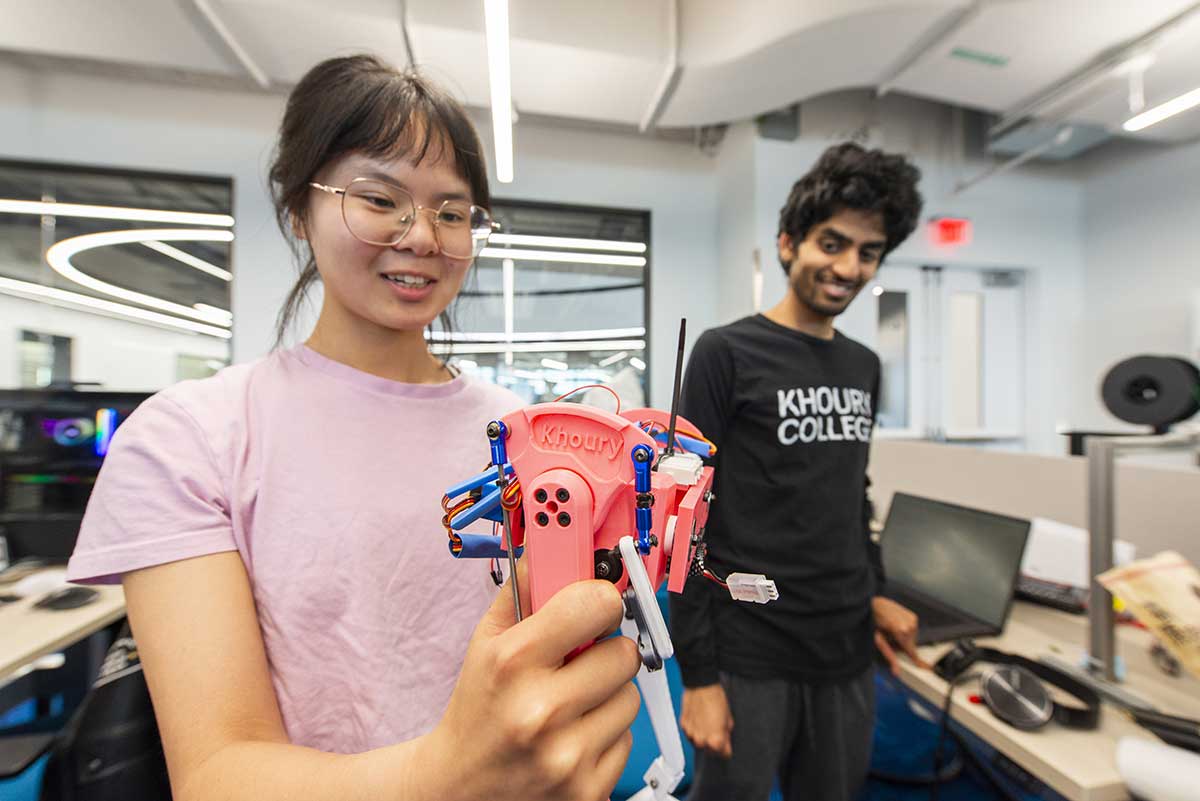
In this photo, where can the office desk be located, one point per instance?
(1080, 765)
(27, 633)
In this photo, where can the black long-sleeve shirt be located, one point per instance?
(791, 415)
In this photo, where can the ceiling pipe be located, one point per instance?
(937, 33)
(220, 29)
(670, 79)
(1060, 138)
(1090, 74)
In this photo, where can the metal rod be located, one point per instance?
(1102, 455)
(670, 449)
(1098, 69)
(941, 30)
(671, 74)
(1061, 137)
(240, 53)
(1101, 462)
(512, 560)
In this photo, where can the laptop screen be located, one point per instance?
(964, 558)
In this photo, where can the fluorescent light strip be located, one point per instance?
(190, 260)
(1159, 113)
(113, 213)
(616, 357)
(638, 363)
(509, 280)
(215, 310)
(560, 255)
(493, 336)
(555, 364)
(568, 242)
(58, 256)
(535, 347)
(495, 13)
(74, 301)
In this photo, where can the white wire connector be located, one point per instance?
(682, 466)
(751, 587)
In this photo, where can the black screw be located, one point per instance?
(653, 541)
(608, 565)
(641, 455)
(542, 519)
(493, 430)
(564, 519)
(540, 496)
(562, 495)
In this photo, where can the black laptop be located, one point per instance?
(954, 566)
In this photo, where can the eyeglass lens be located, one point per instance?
(380, 214)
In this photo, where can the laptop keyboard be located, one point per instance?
(930, 616)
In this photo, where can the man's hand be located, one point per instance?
(895, 630)
(706, 719)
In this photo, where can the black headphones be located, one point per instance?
(1014, 693)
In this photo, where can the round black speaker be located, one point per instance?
(1155, 391)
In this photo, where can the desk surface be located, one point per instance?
(30, 633)
(1081, 765)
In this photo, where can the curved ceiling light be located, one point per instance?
(189, 259)
(76, 301)
(58, 256)
(53, 209)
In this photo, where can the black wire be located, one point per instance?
(945, 726)
(973, 759)
(949, 773)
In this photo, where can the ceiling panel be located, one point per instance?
(601, 62)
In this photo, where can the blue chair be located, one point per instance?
(105, 746)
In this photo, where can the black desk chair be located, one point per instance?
(109, 750)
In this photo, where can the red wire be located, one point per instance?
(592, 386)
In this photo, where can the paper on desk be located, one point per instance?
(1058, 553)
(1163, 593)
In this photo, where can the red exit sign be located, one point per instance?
(949, 231)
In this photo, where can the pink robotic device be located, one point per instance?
(583, 493)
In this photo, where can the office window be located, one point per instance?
(133, 266)
(45, 360)
(556, 301)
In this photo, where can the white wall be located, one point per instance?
(1142, 249)
(118, 354)
(737, 223)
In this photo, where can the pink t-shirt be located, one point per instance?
(328, 482)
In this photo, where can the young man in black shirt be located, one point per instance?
(786, 689)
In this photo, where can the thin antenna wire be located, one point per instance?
(670, 450)
(409, 56)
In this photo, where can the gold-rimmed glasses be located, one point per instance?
(380, 213)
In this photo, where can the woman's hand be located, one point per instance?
(521, 724)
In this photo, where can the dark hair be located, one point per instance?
(359, 104)
(848, 176)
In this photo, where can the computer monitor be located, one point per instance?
(963, 558)
(52, 443)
